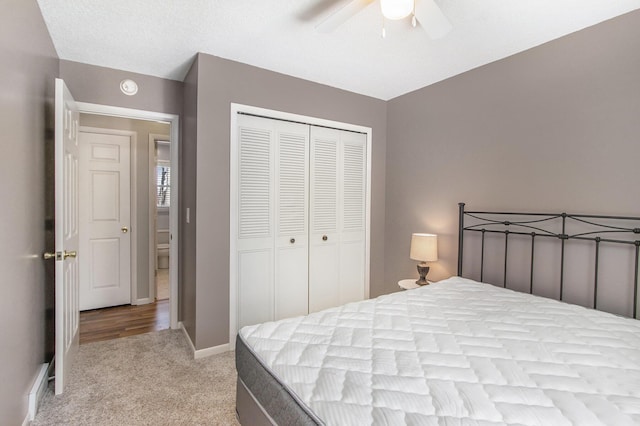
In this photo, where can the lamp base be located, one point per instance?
(423, 270)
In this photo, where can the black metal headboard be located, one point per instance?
(559, 227)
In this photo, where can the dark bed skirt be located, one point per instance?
(261, 399)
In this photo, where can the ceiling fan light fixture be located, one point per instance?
(396, 9)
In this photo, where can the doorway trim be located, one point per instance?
(153, 228)
(174, 121)
(133, 202)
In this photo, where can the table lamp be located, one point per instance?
(424, 247)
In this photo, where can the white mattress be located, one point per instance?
(457, 352)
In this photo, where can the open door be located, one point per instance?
(66, 232)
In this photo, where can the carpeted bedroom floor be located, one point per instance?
(148, 379)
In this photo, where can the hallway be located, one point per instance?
(122, 321)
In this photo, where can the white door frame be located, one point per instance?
(133, 202)
(233, 198)
(153, 229)
(174, 121)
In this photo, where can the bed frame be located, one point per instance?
(592, 229)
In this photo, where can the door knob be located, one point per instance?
(325, 238)
(48, 255)
(124, 229)
(72, 254)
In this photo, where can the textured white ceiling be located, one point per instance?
(160, 38)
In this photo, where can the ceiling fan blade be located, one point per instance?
(320, 7)
(432, 19)
(342, 15)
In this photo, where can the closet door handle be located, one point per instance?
(293, 240)
(325, 238)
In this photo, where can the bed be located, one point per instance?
(460, 351)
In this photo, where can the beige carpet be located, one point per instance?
(149, 379)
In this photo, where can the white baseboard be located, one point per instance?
(37, 390)
(214, 350)
(144, 301)
(203, 353)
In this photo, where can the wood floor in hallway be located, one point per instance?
(122, 321)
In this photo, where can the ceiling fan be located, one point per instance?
(425, 12)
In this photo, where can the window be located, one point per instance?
(163, 185)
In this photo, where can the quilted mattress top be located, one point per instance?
(457, 352)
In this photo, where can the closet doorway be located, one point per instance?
(299, 214)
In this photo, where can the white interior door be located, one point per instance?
(352, 208)
(292, 216)
(338, 206)
(255, 232)
(324, 239)
(272, 235)
(105, 216)
(66, 232)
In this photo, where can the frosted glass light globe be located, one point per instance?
(396, 9)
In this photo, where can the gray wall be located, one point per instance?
(28, 68)
(221, 82)
(188, 186)
(99, 85)
(143, 129)
(555, 128)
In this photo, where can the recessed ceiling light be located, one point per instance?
(129, 87)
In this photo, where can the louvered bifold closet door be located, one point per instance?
(273, 198)
(256, 228)
(352, 176)
(292, 217)
(337, 225)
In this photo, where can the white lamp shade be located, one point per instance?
(396, 9)
(424, 247)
